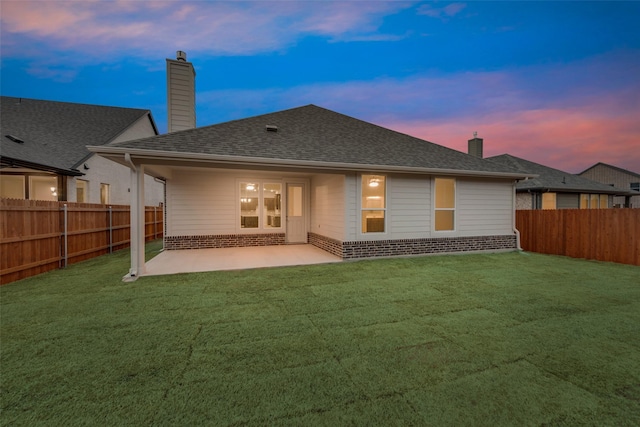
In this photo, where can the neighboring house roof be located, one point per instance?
(53, 135)
(308, 136)
(550, 179)
(625, 171)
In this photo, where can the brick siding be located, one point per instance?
(223, 241)
(385, 248)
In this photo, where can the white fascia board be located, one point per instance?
(139, 156)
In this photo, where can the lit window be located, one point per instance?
(260, 205)
(82, 191)
(549, 200)
(373, 203)
(104, 194)
(445, 204)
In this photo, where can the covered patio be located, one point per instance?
(198, 260)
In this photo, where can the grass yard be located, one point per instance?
(504, 339)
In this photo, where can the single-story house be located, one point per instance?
(312, 175)
(556, 189)
(618, 177)
(43, 154)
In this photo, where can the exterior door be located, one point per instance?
(296, 222)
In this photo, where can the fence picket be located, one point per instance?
(39, 236)
(601, 234)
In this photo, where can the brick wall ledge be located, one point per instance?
(400, 247)
(223, 241)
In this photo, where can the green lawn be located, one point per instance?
(503, 339)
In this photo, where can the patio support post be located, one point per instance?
(137, 214)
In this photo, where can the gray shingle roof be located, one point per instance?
(553, 179)
(314, 134)
(56, 134)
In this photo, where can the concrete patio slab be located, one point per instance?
(196, 260)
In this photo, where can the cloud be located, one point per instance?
(101, 29)
(443, 13)
(569, 117)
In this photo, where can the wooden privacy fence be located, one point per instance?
(600, 234)
(38, 236)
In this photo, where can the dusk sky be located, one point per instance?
(557, 83)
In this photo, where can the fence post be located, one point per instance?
(110, 229)
(66, 235)
(155, 224)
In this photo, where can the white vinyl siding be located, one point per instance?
(352, 214)
(201, 204)
(409, 207)
(328, 205)
(485, 207)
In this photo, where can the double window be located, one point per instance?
(260, 205)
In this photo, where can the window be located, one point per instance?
(594, 201)
(604, 201)
(43, 188)
(82, 191)
(548, 200)
(373, 203)
(12, 186)
(260, 205)
(445, 204)
(271, 200)
(635, 186)
(104, 194)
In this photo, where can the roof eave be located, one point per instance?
(143, 154)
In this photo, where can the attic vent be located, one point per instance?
(272, 128)
(15, 139)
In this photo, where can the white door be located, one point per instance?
(296, 224)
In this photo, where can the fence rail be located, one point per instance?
(600, 234)
(39, 236)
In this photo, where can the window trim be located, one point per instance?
(434, 209)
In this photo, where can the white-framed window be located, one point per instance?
(82, 191)
(260, 204)
(104, 194)
(445, 204)
(373, 203)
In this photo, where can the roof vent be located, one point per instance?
(272, 128)
(181, 56)
(15, 139)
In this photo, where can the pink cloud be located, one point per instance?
(100, 28)
(566, 139)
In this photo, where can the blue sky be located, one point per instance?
(553, 82)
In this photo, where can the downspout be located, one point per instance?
(515, 230)
(133, 270)
(127, 158)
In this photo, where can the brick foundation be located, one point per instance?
(385, 248)
(223, 241)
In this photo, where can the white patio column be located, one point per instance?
(137, 224)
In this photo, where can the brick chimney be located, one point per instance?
(181, 93)
(475, 146)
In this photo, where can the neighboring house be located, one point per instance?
(311, 175)
(43, 154)
(556, 189)
(621, 178)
